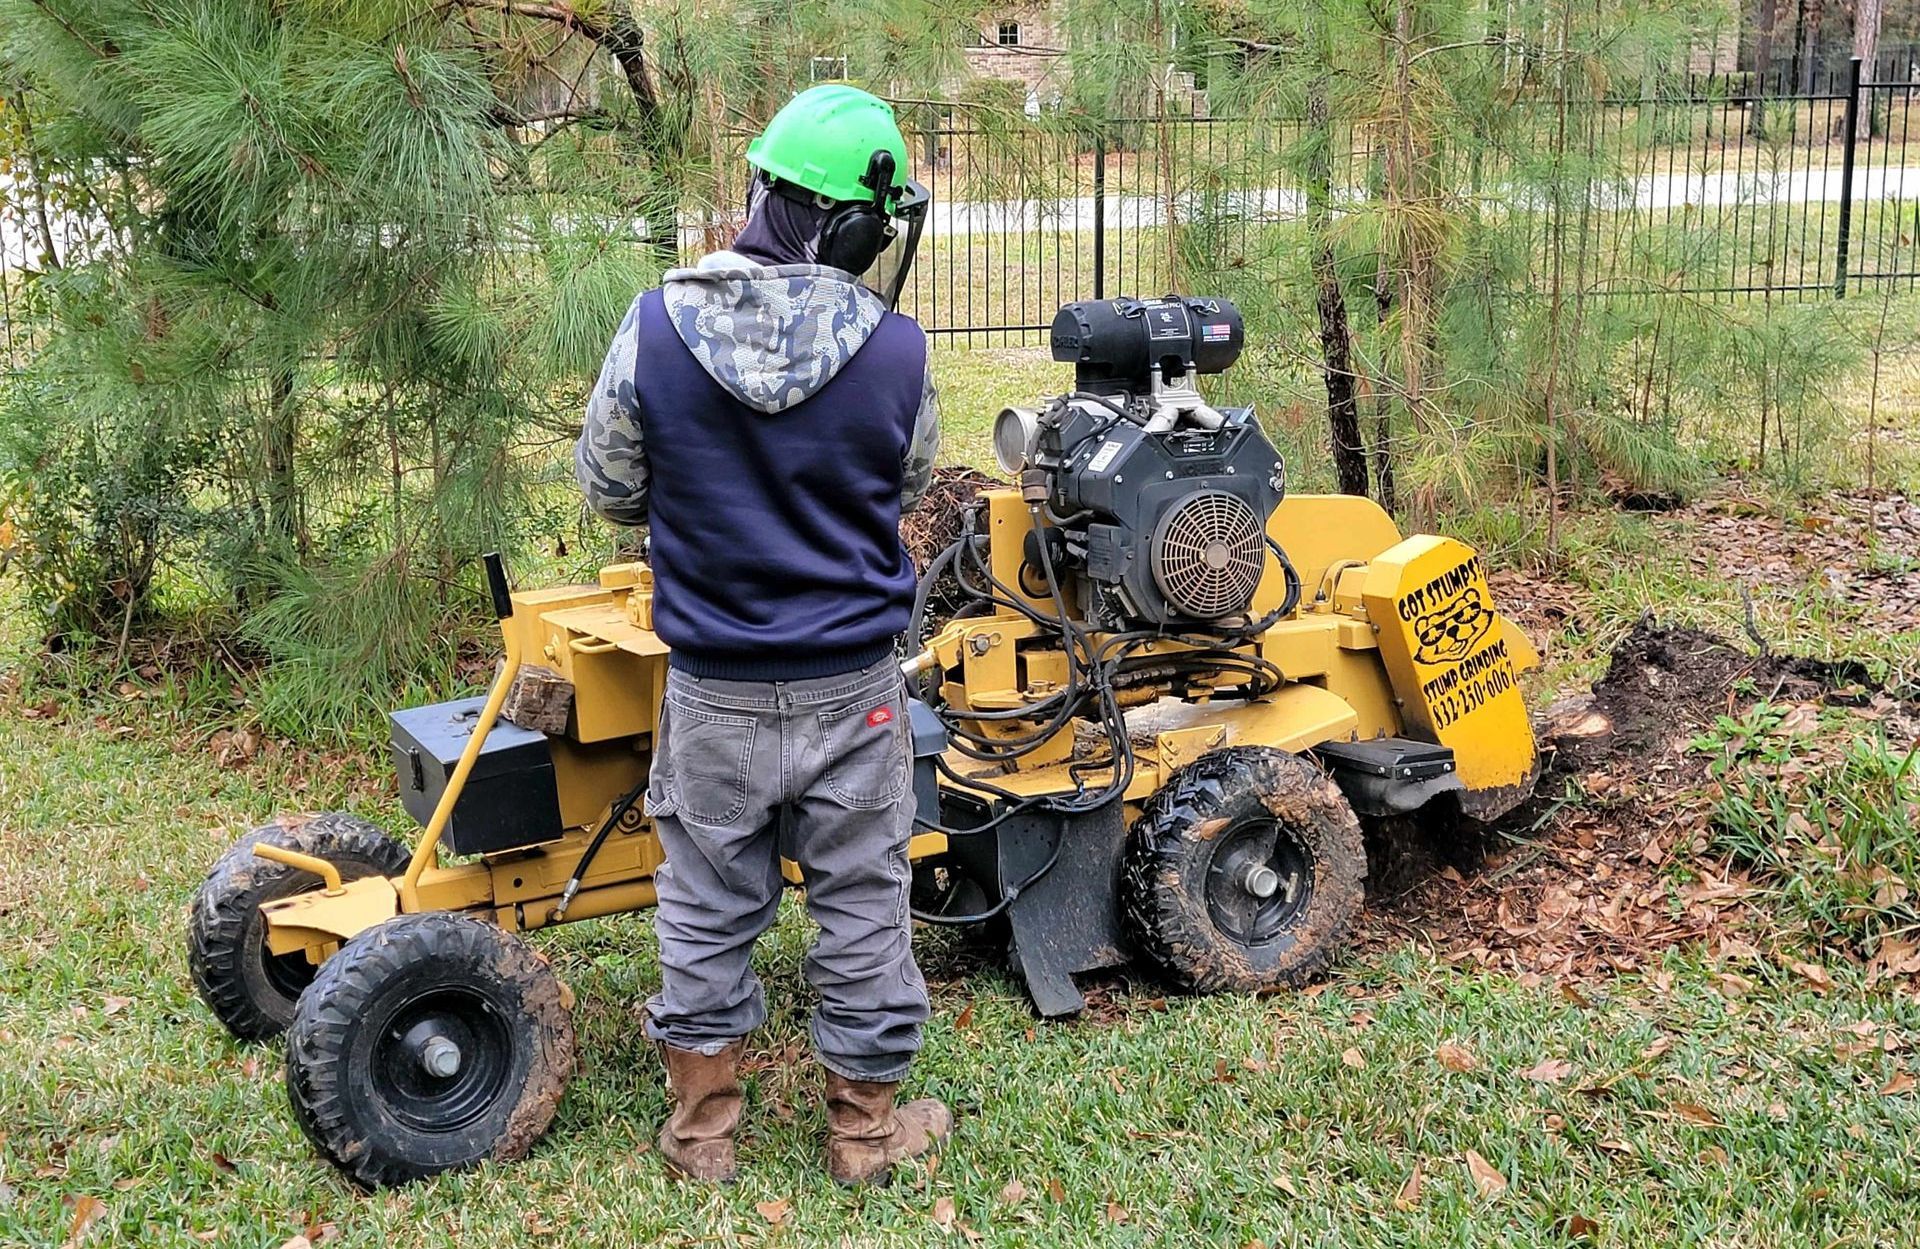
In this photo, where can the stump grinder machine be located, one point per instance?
(1147, 732)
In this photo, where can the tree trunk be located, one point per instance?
(1807, 41)
(1866, 45)
(1383, 401)
(1409, 175)
(1558, 244)
(1336, 335)
(279, 438)
(1765, 20)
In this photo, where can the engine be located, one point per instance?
(1157, 500)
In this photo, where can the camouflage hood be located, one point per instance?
(770, 335)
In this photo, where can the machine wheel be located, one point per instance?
(429, 1043)
(251, 991)
(1243, 872)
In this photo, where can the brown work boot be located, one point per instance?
(697, 1138)
(867, 1134)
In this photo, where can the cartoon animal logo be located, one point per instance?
(1449, 631)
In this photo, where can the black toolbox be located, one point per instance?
(510, 799)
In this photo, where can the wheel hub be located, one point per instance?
(442, 1059)
(1259, 882)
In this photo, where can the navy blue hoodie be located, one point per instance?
(770, 423)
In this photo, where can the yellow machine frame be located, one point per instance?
(1390, 637)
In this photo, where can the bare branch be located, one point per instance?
(620, 35)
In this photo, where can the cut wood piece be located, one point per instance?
(540, 700)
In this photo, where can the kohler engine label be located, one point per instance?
(1104, 456)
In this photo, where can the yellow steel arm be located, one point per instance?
(424, 853)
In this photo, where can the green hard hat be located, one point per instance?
(824, 138)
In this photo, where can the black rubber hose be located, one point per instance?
(614, 816)
(923, 593)
(1007, 899)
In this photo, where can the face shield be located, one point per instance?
(906, 218)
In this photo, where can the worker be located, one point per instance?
(769, 417)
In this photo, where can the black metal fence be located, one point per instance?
(1793, 184)
(1726, 186)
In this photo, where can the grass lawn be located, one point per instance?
(1412, 1098)
(1680, 1116)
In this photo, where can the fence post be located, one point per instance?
(1099, 214)
(1845, 234)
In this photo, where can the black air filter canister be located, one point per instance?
(1116, 344)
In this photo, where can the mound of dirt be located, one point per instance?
(935, 525)
(1666, 683)
(1578, 881)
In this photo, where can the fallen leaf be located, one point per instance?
(1616, 1147)
(1351, 1057)
(1455, 1058)
(1013, 1193)
(1548, 1071)
(943, 1213)
(7, 1194)
(1578, 1227)
(775, 1212)
(1815, 975)
(1695, 1114)
(87, 1210)
(299, 1241)
(1057, 1191)
(1285, 1185)
(1660, 1046)
(965, 1017)
(1731, 985)
(1485, 1178)
(1900, 1083)
(1800, 719)
(1409, 1195)
(1116, 1213)
(112, 1005)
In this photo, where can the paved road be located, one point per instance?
(19, 239)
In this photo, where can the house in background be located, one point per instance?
(1023, 44)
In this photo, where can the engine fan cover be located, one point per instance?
(1165, 528)
(1207, 554)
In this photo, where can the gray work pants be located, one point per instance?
(833, 752)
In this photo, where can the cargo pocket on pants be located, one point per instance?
(708, 755)
(866, 747)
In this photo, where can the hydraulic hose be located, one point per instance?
(614, 816)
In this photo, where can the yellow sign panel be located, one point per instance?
(1453, 660)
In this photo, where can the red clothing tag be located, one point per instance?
(879, 716)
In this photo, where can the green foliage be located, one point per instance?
(328, 318)
(342, 640)
(1835, 826)
(345, 270)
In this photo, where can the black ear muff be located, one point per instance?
(853, 238)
